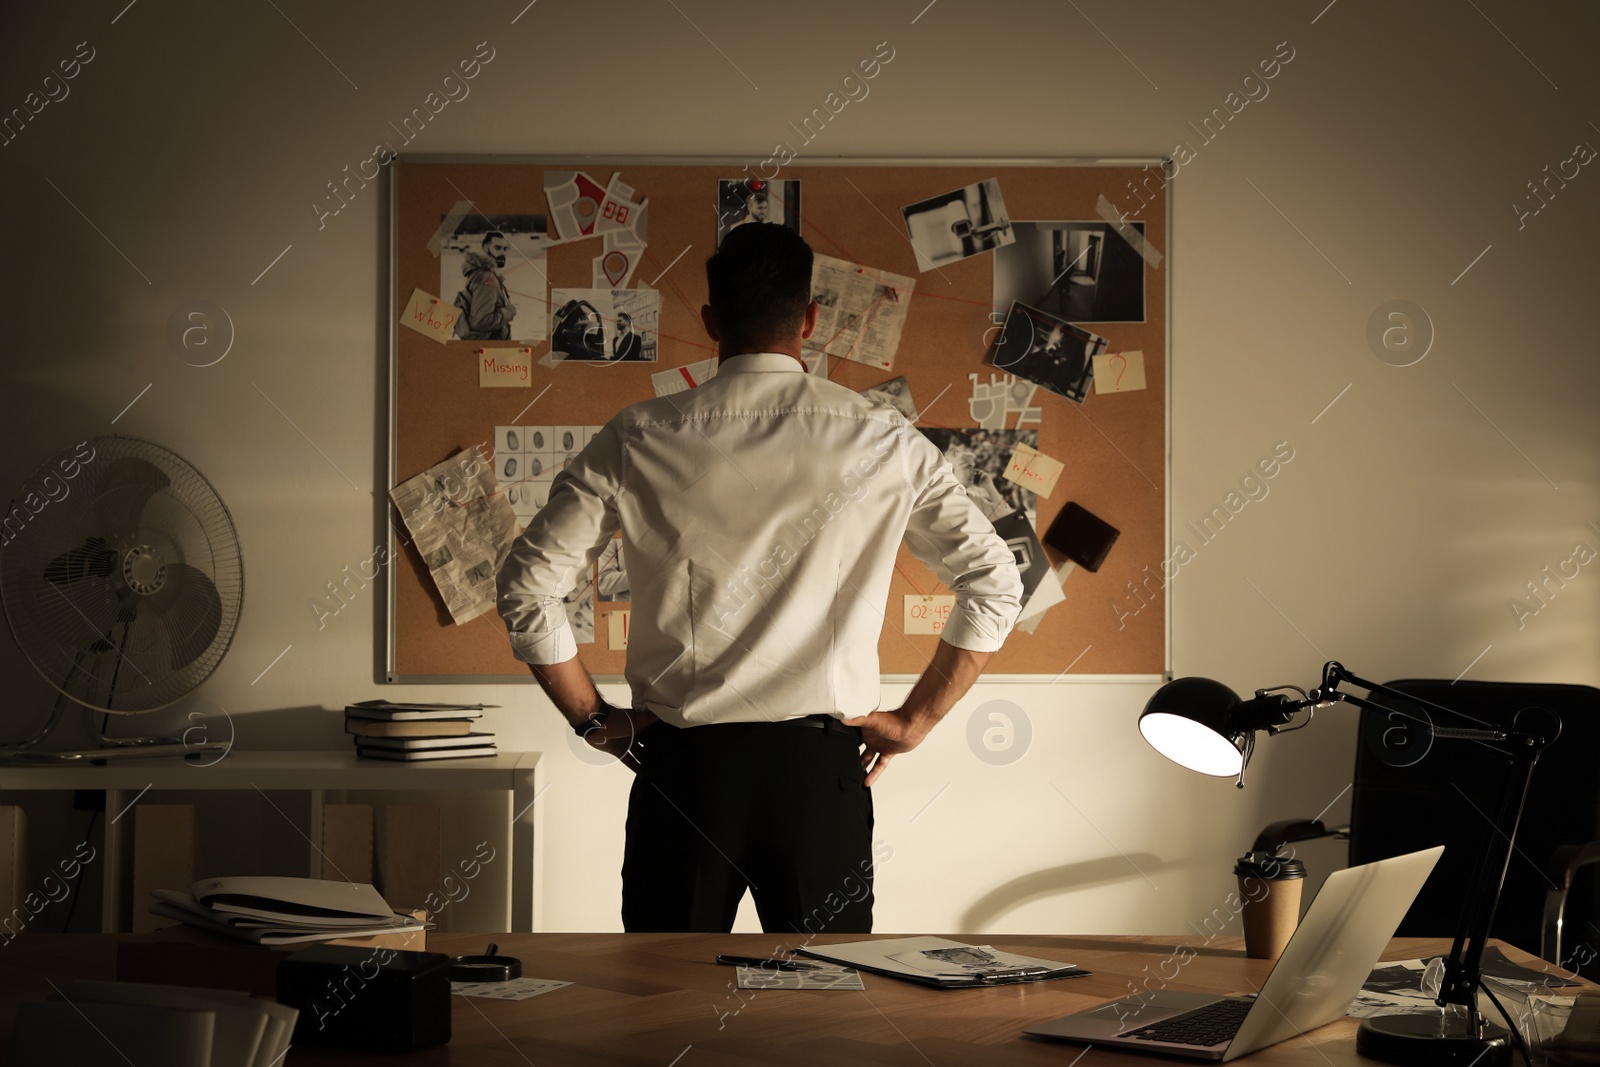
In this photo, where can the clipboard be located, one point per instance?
(874, 956)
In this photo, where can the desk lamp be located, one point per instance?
(1204, 726)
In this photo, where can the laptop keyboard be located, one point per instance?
(1203, 1027)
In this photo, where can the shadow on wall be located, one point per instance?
(1054, 882)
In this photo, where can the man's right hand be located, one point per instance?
(509, 311)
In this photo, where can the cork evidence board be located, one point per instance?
(988, 232)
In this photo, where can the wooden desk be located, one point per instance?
(659, 1000)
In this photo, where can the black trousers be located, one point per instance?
(779, 808)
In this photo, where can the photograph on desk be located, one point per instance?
(492, 268)
(955, 225)
(1079, 271)
(1049, 350)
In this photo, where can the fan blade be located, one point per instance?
(132, 483)
(189, 607)
(82, 613)
(92, 559)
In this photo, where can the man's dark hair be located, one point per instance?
(623, 316)
(760, 282)
(491, 235)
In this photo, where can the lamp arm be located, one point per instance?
(1334, 672)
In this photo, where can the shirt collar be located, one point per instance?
(760, 363)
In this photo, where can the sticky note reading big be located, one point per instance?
(928, 614)
(503, 366)
(1118, 372)
(430, 316)
(1034, 470)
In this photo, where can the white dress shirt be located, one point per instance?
(761, 514)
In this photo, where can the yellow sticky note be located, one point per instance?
(1034, 470)
(430, 316)
(1119, 372)
(928, 614)
(504, 366)
(617, 629)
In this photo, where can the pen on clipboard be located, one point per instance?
(1014, 974)
(757, 961)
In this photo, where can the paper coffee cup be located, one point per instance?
(1269, 887)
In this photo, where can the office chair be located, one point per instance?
(1550, 903)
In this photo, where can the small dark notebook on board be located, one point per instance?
(1082, 537)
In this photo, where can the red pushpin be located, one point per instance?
(756, 184)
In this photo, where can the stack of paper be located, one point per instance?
(384, 729)
(115, 1023)
(283, 911)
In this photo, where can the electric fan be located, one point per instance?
(122, 581)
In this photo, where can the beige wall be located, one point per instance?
(1383, 161)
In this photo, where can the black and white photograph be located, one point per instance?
(1079, 271)
(740, 201)
(613, 581)
(492, 269)
(963, 222)
(980, 458)
(896, 392)
(605, 325)
(1044, 348)
(580, 609)
(1018, 531)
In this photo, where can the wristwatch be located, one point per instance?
(597, 721)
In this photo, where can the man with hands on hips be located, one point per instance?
(760, 514)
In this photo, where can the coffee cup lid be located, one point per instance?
(1268, 866)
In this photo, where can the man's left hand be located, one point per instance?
(885, 735)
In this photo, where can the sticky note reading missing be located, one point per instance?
(1034, 470)
(1118, 372)
(928, 614)
(429, 317)
(503, 366)
(617, 629)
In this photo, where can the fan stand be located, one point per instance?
(111, 749)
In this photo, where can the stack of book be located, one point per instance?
(384, 729)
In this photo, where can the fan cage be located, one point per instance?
(98, 620)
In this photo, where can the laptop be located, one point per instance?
(1346, 929)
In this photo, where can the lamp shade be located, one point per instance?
(1194, 723)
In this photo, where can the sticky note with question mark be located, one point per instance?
(1119, 372)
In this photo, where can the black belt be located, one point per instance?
(821, 722)
(824, 722)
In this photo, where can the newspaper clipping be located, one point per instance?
(861, 311)
(462, 526)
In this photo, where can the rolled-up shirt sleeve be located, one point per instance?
(549, 558)
(947, 532)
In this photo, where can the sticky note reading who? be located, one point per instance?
(503, 366)
(928, 614)
(1118, 372)
(1034, 470)
(429, 317)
